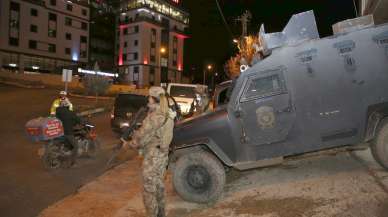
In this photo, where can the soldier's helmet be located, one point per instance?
(156, 91)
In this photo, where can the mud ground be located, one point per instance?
(338, 185)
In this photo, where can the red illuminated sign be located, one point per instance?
(176, 1)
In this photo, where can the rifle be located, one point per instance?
(132, 126)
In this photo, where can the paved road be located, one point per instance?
(26, 187)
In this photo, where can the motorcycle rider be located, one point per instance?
(69, 120)
(62, 98)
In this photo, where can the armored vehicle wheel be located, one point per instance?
(379, 147)
(199, 177)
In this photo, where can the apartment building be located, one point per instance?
(45, 35)
(150, 41)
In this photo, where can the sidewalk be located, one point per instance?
(332, 185)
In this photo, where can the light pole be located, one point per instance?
(209, 67)
(162, 51)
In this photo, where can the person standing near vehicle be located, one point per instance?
(69, 119)
(57, 102)
(154, 137)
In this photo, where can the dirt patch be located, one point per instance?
(287, 207)
(252, 206)
(384, 210)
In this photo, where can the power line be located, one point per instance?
(223, 18)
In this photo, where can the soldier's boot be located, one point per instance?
(161, 202)
(161, 212)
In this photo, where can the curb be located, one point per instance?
(22, 85)
(92, 111)
(91, 97)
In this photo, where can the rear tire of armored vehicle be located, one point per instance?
(379, 147)
(199, 177)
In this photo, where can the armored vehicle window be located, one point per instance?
(261, 87)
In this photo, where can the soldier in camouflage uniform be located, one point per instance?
(154, 138)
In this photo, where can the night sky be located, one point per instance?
(211, 43)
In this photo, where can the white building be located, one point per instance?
(150, 41)
(43, 35)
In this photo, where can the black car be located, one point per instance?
(125, 106)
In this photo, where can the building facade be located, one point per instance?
(102, 34)
(45, 35)
(150, 41)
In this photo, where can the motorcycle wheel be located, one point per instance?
(93, 148)
(51, 160)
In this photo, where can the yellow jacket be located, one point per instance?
(56, 104)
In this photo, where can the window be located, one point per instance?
(14, 23)
(68, 21)
(52, 48)
(124, 57)
(53, 2)
(83, 54)
(68, 36)
(136, 73)
(175, 42)
(84, 39)
(84, 12)
(34, 12)
(84, 26)
(52, 33)
(32, 44)
(33, 28)
(153, 35)
(136, 29)
(125, 44)
(13, 41)
(135, 56)
(152, 76)
(52, 17)
(14, 6)
(136, 42)
(261, 87)
(125, 31)
(69, 7)
(67, 51)
(152, 58)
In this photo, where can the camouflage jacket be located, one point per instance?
(156, 131)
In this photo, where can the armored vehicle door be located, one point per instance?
(265, 108)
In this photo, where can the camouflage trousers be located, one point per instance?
(154, 169)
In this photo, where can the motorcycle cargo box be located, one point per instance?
(43, 129)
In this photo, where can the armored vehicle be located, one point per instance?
(308, 94)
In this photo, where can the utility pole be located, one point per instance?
(245, 18)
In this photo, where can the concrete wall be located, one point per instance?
(56, 81)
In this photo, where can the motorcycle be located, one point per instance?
(55, 153)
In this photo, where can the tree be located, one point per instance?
(96, 84)
(250, 52)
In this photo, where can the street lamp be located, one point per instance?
(209, 67)
(162, 53)
(163, 50)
